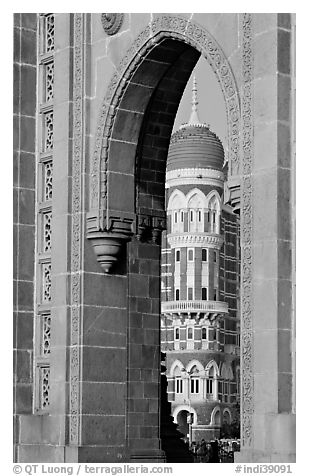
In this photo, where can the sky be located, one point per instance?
(211, 107)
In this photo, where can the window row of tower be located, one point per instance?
(195, 221)
(208, 383)
(204, 293)
(208, 388)
(191, 252)
(194, 212)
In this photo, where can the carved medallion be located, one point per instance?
(112, 22)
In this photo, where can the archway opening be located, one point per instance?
(133, 170)
(183, 420)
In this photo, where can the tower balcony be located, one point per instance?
(218, 307)
(186, 239)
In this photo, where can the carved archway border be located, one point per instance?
(161, 28)
(247, 343)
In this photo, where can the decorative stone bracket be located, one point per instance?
(149, 227)
(109, 233)
(107, 239)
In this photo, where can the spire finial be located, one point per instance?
(194, 119)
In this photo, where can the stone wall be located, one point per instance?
(25, 37)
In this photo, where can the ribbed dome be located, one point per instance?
(194, 145)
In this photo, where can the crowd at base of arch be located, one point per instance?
(214, 451)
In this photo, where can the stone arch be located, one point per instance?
(161, 33)
(194, 363)
(176, 363)
(193, 194)
(213, 197)
(119, 158)
(212, 364)
(186, 408)
(179, 197)
(215, 418)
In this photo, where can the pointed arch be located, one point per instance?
(186, 408)
(212, 365)
(213, 200)
(227, 416)
(195, 363)
(163, 28)
(196, 199)
(215, 418)
(176, 201)
(176, 364)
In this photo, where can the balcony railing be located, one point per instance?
(194, 306)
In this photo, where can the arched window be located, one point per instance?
(190, 254)
(176, 333)
(217, 419)
(177, 295)
(196, 205)
(214, 214)
(209, 385)
(204, 294)
(209, 381)
(204, 254)
(176, 203)
(190, 294)
(204, 333)
(177, 377)
(177, 256)
(190, 333)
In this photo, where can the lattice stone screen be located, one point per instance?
(45, 144)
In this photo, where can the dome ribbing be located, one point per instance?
(194, 145)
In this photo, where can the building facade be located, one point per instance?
(200, 283)
(95, 99)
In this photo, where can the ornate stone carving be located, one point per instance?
(76, 228)
(49, 81)
(43, 284)
(49, 32)
(47, 180)
(165, 26)
(108, 235)
(246, 224)
(149, 227)
(46, 321)
(44, 377)
(107, 246)
(112, 22)
(46, 282)
(48, 131)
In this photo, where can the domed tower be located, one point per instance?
(200, 271)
